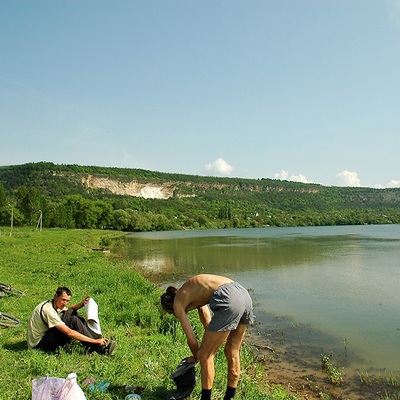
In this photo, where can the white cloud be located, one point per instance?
(284, 175)
(347, 178)
(393, 183)
(299, 178)
(219, 166)
(344, 178)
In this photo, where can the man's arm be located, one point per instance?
(204, 315)
(78, 336)
(81, 304)
(187, 328)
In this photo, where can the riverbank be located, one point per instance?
(149, 343)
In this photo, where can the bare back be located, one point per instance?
(197, 291)
(196, 294)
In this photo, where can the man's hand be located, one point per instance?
(101, 341)
(85, 300)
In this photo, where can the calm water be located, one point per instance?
(325, 289)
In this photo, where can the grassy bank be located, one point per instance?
(150, 343)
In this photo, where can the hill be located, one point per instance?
(142, 200)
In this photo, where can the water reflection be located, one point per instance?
(216, 254)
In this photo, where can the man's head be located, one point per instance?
(61, 297)
(167, 299)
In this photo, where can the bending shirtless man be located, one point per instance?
(232, 310)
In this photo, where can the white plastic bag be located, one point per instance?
(50, 388)
(45, 388)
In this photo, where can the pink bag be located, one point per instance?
(50, 388)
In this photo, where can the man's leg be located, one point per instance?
(210, 344)
(76, 322)
(232, 353)
(52, 340)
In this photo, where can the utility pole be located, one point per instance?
(40, 221)
(12, 220)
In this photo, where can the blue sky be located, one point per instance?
(304, 90)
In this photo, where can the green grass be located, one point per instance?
(150, 343)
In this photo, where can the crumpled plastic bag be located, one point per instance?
(185, 380)
(51, 388)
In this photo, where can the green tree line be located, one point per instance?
(55, 195)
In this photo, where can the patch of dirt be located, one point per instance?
(298, 369)
(304, 381)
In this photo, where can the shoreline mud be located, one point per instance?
(300, 371)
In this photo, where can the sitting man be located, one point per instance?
(52, 324)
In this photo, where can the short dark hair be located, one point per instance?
(167, 299)
(61, 289)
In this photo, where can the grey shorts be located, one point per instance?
(231, 305)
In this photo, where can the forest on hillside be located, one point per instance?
(53, 195)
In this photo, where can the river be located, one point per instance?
(322, 290)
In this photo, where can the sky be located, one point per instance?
(301, 90)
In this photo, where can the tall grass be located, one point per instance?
(149, 343)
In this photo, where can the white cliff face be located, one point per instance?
(152, 192)
(132, 188)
